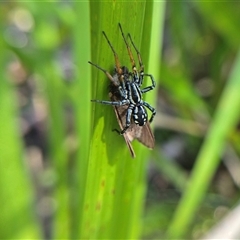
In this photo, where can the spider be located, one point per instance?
(128, 84)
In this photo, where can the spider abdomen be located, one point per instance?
(139, 115)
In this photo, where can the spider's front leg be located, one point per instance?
(149, 88)
(151, 109)
(114, 103)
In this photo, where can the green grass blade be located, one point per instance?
(224, 121)
(171, 171)
(154, 14)
(115, 183)
(58, 153)
(82, 109)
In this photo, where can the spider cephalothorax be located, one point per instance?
(128, 85)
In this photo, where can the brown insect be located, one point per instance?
(126, 97)
(142, 133)
(120, 113)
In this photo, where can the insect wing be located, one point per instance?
(119, 111)
(144, 135)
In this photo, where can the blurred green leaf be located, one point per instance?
(209, 156)
(224, 18)
(17, 219)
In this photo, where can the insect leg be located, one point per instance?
(120, 88)
(103, 70)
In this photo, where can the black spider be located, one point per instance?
(128, 84)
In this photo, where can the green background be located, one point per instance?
(64, 173)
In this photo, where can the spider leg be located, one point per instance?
(139, 77)
(151, 109)
(129, 50)
(118, 65)
(128, 119)
(138, 54)
(149, 88)
(114, 103)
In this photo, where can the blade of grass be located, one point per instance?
(225, 119)
(171, 171)
(82, 109)
(111, 174)
(152, 33)
(115, 184)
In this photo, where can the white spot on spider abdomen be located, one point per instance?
(139, 115)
